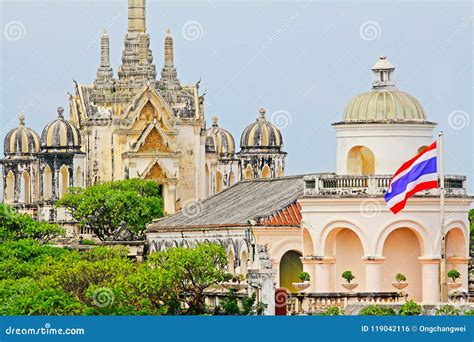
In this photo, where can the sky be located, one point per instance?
(302, 61)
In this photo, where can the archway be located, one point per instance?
(308, 248)
(10, 188)
(266, 172)
(243, 262)
(25, 190)
(208, 181)
(401, 250)
(248, 172)
(219, 181)
(455, 243)
(63, 180)
(280, 172)
(360, 161)
(346, 247)
(79, 178)
(231, 261)
(47, 183)
(290, 267)
(231, 178)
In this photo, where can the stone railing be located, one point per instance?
(376, 185)
(213, 299)
(314, 303)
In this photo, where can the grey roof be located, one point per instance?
(236, 205)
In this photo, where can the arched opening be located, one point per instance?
(243, 262)
(248, 172)
(345, 246)
(219, 181)
(455, 243)
(307, 243)
(208, 181)
(231, 262)
(79, 178)
(360, 161)
(422, 148)
(63, 180)
(280, 172)
(290, 267)
(401, 250)
(266, 172)
(47, 183)
(25, 188)
(10, 188)
(231, 178)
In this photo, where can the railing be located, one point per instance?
(314, 303)
(376, 185)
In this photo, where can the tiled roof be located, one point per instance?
(267, 201)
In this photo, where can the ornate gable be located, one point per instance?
(148, 106)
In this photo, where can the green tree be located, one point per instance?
(104, 206)
(16, 226)
(190, 271)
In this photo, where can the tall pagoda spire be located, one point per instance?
(136, 16)
(169, 76)
(137, 66)
(169, 54)
(105, 73)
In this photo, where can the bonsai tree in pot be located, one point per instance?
(348, 276)
(454, 274)
(400, 281)
(304, 277)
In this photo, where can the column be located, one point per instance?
(461, 264)
(373, 273)
(324, 268)
(430, 285)
(309, 266)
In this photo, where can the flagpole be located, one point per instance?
(442, 275)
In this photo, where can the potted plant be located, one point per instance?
(400, 281)
(348, 276)
(454, 274)
(304, 284)
(235, 282)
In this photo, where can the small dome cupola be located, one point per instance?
(384, 103)
(60, 135)
(383, 74)
(219, 140)
(261, 135)
(21, 141)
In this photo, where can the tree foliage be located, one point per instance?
(16, 226)
(43, 280)
(104, 206)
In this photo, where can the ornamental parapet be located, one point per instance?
(330, 184)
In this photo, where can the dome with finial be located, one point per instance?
(60, 135)
(21, 141)
(261, 135)
(219, 140)
(384, 103)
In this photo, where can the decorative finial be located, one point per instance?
(262, 112)
(168, 32)
(21, 117)
(104, 32)
(60, 112)
(215, 120)
(383, 74)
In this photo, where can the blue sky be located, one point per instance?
(303, 59)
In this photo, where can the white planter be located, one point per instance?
(350, 286)
(400, 285)
(301, 286)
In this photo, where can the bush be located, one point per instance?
(410, 308)
(447, 310)
(332, 311)
(399, 277)
(469, 313)
(304, 276)
(377, 310)
(454, 274)
(348, 276)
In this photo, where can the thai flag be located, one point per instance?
(417, 174)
